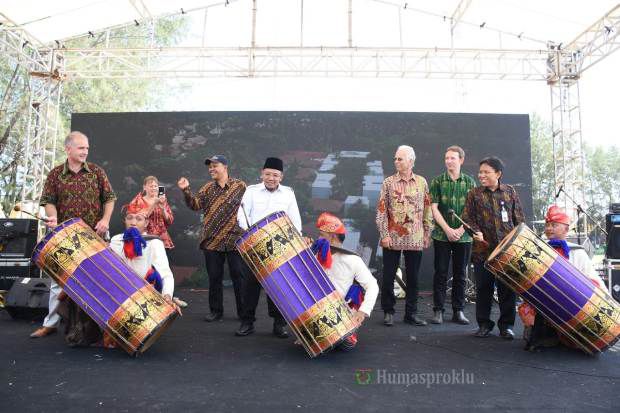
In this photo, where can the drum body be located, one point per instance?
(567, 298)
(121, 302)
(296, 283)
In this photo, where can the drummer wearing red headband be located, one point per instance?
(347, 272)
(143, 253)
(539, 333)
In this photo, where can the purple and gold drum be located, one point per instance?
(96, 279)
(567, 298)
(296, 283)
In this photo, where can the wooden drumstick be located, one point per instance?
(247, 221)
(467, 227)
(17, 208)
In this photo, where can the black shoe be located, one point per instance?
(245, 330)
(279, 331)
(483, 332)
(415, 320)
(437, 317)
(213, 317)
(507, 334)
(459, 317)
(388, 319)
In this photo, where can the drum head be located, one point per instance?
(507, 241)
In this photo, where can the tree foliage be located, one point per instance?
(79, 95)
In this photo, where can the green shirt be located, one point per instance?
(449, 194)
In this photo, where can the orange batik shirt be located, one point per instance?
(404, 212)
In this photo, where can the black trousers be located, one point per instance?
(215, 270)
(391, 259)
(485, 281)
(459, 252)
(251, 295)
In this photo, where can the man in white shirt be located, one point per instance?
(347, 272)
(152, 256)
(259, 201)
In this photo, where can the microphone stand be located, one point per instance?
(580, 211)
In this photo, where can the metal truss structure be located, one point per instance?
(561, 67)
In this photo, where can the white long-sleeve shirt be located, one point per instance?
(347, 268)
(258, 202)
(579, 258)
(154, 254)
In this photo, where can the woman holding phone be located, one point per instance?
(160, 217)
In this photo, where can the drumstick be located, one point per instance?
(18, 208)
(247, 221)
(468, 228)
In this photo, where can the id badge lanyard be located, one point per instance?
(503, 211)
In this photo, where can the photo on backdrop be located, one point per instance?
(334, 161)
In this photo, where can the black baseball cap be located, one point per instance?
(217, 158)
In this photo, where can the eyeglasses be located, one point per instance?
(399, 159)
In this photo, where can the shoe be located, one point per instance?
(280, 331)
(507, 334)
(42, 332)
(459, 318)
(388, 319)
(438, 317)
(415, 320)
(483, 332)
(245, 330)
(213, 317)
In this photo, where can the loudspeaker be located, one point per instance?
(12, 269)
(17, 237)
(28, 298)
(615, 284)
(612, 224)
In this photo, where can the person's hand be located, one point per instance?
(453, 234)
(308, 241)
(161, 200)
(102, 227)
(478, 236)
(426, 241)
(359, 317)
(51, 222)
(183, 183)
(170, 301)
(386, 242)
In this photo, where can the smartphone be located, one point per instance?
(161, 191)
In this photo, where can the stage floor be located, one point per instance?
(199, 366)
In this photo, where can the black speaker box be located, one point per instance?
(17, 237)
(12, 269)
(28, 298)
(612, 224)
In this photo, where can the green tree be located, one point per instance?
(80, 95)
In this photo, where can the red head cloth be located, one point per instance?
(138, 207)
(557, 214)
(330, 223)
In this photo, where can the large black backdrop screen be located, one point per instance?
(351, 151)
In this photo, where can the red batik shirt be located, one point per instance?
(404, 212)
(78, 195)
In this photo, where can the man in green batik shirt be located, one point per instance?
(448, 192)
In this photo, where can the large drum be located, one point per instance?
(96, 279)
(296, 283)
(568, 299)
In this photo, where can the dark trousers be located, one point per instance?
(251, 294)
(391, 259)
(459, 252)
(485, 282)
(215, 270)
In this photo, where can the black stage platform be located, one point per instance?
(199, 366)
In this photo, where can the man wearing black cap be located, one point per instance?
(259, 201)
(219, 201)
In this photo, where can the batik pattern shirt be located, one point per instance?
(450, 194)
(404, 212)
